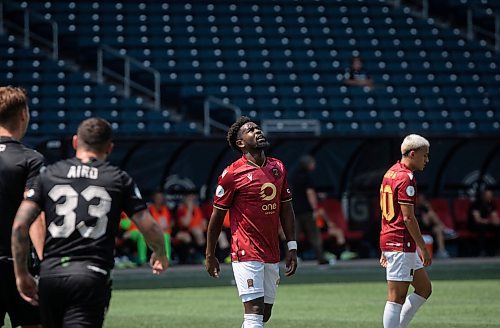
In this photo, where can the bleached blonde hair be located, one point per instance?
(413, 142)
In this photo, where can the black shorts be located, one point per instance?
(76, 300)
(20, 312)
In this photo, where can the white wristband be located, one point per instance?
(292, 245)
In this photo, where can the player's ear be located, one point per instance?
(240, 143)
(110, 148)
(74, 142)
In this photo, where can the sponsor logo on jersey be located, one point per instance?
(264, 191)
(219, 192)
(410, 191)
(268, 193)
(250, 176)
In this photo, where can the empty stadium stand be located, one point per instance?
(283, 59)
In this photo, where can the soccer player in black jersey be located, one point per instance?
(82, 198)
(19, 167)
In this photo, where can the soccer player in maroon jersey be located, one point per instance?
(400, 235)
(255, 191)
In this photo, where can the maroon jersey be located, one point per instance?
(398, 187)
(254, 195)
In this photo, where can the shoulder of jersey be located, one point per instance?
(277, 162)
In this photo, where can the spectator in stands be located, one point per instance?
(356, 75)
(191, 226)
(428, 220)
(484, 219)
(305, 205)
(160, 212)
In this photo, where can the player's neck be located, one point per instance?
(8, 133)
(258, 157)
(406, 162)
(86, 156)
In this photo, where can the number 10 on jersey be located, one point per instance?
(387, 202)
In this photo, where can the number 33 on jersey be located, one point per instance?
(82, 205)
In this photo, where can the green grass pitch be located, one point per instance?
(466, 303)
(350, 294)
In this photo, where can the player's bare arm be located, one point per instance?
(154, 238)
(287, 218)
(26, 284)
(213, 232)
(37, 234)
(412, 225)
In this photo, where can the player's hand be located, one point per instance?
(426, 257)
(383, 260)
(291, 262)
(158, 263)
(212, 266)
(28, 288)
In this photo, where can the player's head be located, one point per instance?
(14, 114)
(415, 151)
(244, 136)
(307, 163)
(94, 134)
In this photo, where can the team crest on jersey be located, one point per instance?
(276, 172)
(250, 283)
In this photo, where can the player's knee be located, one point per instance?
(425, 291)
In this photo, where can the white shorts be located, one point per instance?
(401, 266)
(256, 279)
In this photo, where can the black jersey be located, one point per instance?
(19, 166)
(82, 204)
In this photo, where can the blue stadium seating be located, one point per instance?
(286, 59)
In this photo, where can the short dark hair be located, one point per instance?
(95, 134)
(232, 134)
(12, 101)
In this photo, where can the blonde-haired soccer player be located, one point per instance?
(400, 235)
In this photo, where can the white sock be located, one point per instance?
(412, 304)
(392, 312)
(253, 321)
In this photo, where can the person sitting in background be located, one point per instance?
(191, 226)
(356, 75)
(335, 241)
(428, 220)
(160, 212)
(484, 219)
(125, 247)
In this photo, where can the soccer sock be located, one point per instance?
(253, 321)
(392, 312)
(412, 304)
